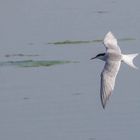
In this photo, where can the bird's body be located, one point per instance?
(113, 58)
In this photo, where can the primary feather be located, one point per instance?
(111, 68)
(110, 43)
(108, 77)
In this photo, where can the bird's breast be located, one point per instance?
(113, 57)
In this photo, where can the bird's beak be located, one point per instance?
(92, 58)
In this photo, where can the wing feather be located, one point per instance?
(111, 68)
(108, 77)
(110, 43)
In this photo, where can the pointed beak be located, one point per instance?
(92, 58)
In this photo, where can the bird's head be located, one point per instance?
(100, 56)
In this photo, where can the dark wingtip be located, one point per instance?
(103, 105)
(103, 102)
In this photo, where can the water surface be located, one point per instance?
(49, 88)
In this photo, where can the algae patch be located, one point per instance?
(70, 42)
(74, 42)
(34, 63)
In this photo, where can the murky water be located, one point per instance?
(49, 88)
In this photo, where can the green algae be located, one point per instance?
(34, 63)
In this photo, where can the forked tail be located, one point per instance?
(128, 59)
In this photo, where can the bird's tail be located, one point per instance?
(128, 59)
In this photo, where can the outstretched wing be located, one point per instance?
(110, 43)
(108, 77)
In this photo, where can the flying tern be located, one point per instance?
(113, 58)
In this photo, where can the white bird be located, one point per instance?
(113, 58)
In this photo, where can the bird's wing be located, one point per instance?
(108, 77)
(110, 43)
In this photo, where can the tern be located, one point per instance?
(113, 58)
